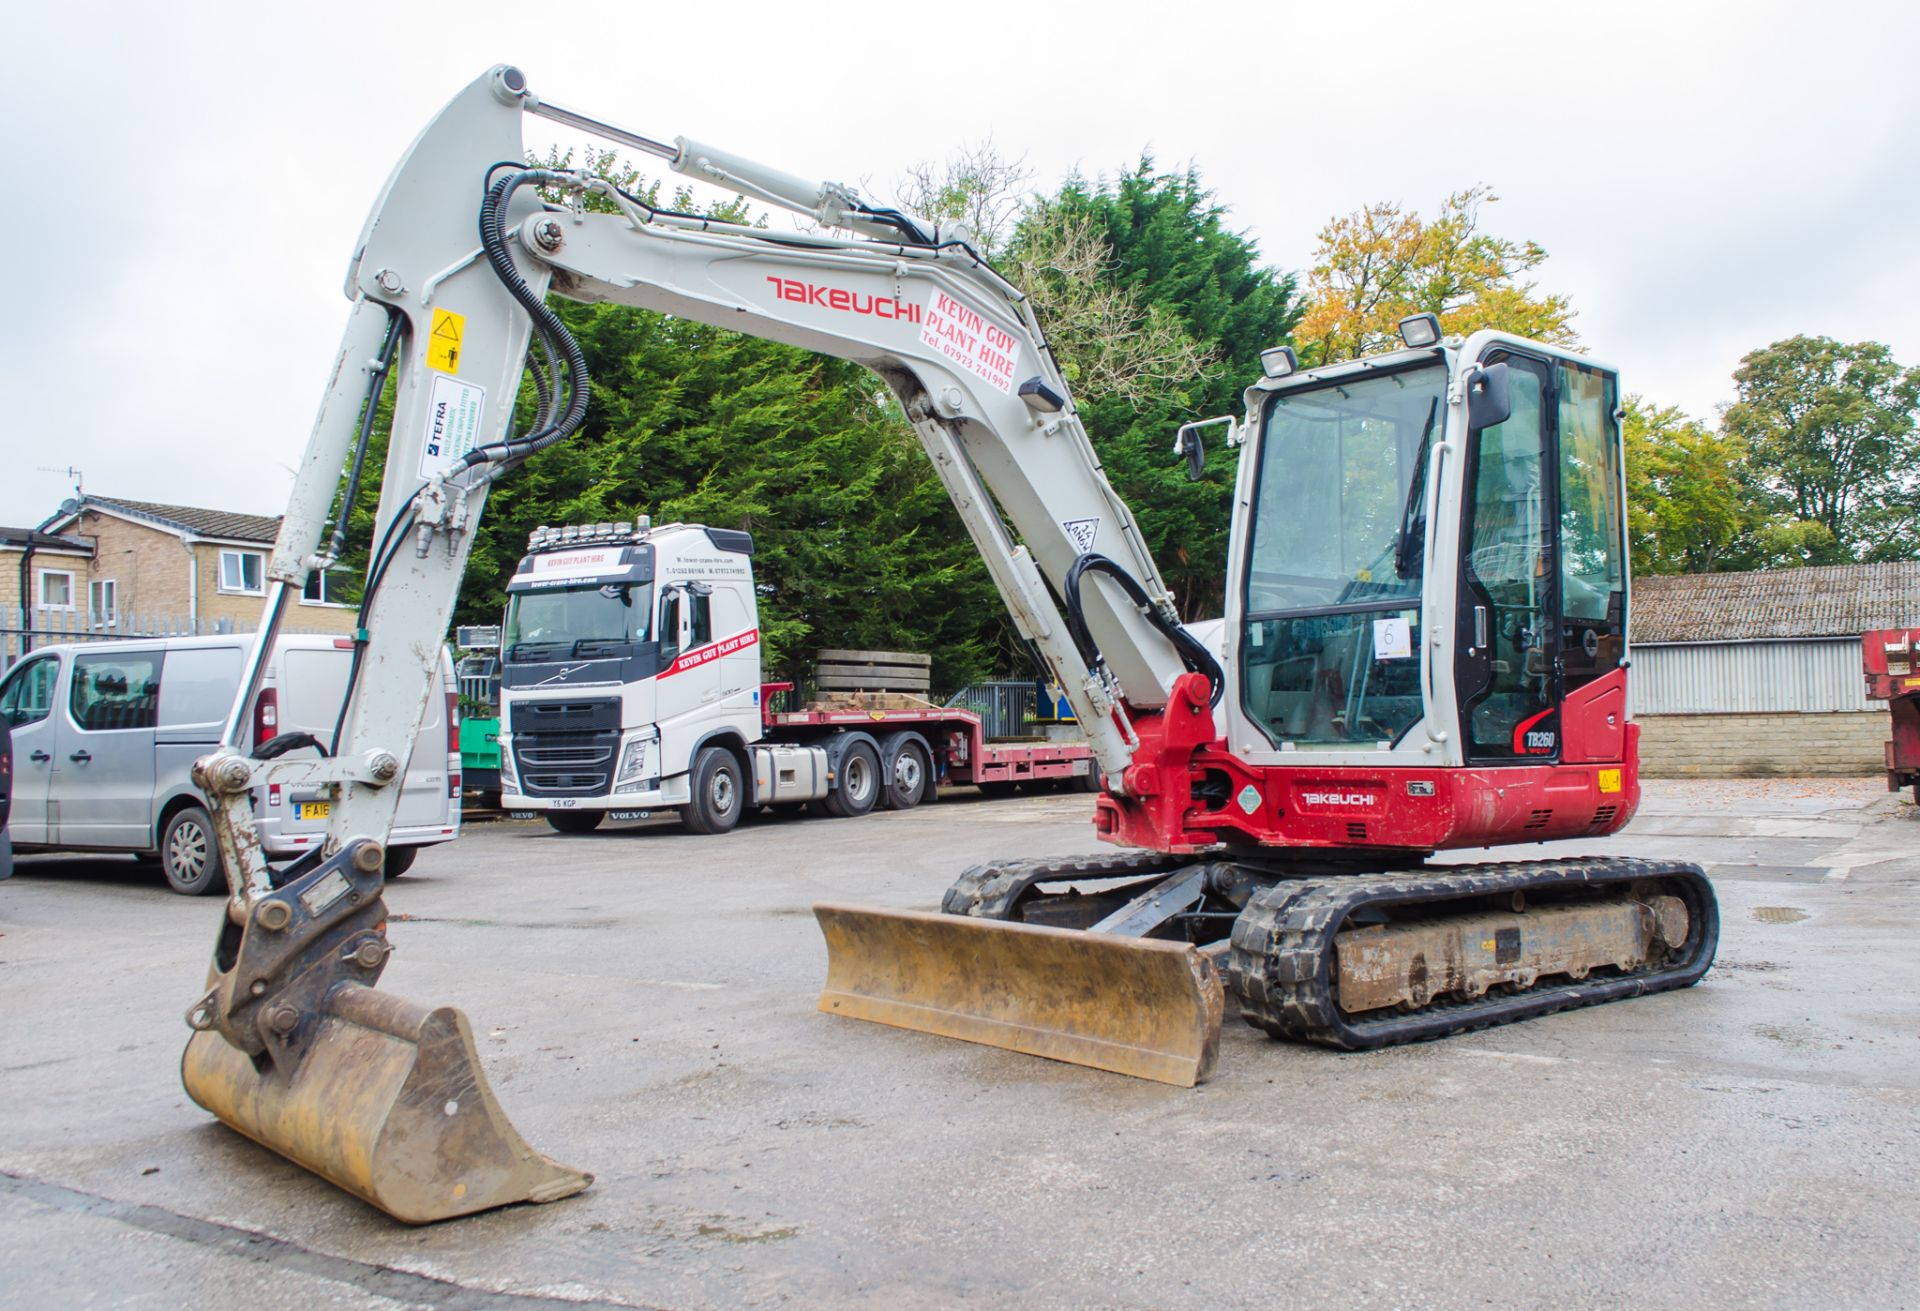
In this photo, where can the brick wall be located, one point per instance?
(1749, 746)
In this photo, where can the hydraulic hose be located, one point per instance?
(1193, 653)
(552, 332)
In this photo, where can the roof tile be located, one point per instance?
(1843, 600)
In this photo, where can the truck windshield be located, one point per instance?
(1332, 635)
(577, 621)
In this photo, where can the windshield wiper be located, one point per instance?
(580, 648)
(1406, 563)
(535, 650)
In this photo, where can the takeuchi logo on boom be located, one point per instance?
(839, 298)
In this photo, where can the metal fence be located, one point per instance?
(24, 630)
(1708, 678)
(1005, 706)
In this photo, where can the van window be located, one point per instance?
(115, 690)
(27, 697)
(200, 684)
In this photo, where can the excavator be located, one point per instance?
(1424, 652)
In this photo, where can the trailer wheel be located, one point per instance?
(575, 821)
(999, 787)
(857, 789)
(906, 771)
(715, 804)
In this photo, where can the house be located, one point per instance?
(1742, 674)
(104, 565)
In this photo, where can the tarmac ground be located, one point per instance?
(644, 1001)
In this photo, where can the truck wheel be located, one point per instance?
(857, 788)
(399, 861)
(717, 795)
(188, 855)
(575, 821)
(906, 771)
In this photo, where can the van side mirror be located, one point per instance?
(1488, 400)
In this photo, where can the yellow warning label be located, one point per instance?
(1910, 682)
(1609, 780)
(443, 342)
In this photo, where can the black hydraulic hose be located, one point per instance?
(1193, 653)
(552, 331)
(383, 553)
(376, 385)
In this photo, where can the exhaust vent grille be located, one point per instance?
(1539, 819)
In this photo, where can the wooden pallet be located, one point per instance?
(873, 671)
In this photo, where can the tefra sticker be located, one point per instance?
(455, 410)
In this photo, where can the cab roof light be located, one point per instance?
(1420, 331)
(1278, 361)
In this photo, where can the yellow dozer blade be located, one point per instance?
(1135, 1006)
(390, 1104)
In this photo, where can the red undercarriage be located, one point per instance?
(1401, 808)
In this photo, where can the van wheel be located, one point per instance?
(6, 854)
(716, 795)
(906, 773)
(188, 855)
(399, 861)
(575, 821)
(857, 789)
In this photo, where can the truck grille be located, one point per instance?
(565, 748)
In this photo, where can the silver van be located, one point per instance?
(105, 733)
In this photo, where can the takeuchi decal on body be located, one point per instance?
(701, 655)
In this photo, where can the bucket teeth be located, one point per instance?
(389, 1103)
(1134, 1006)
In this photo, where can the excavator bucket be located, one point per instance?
(1135, 1006)
(390, 1104)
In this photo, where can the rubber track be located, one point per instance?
(993, 890)
(1282, 956)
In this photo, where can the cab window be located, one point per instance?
(115, 690)
(702, 615)
(27, 697)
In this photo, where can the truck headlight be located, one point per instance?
(509, 782)
(638, 763)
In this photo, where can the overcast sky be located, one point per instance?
(189, 178)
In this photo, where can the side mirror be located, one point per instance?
(1186, 443)
(1488, 400)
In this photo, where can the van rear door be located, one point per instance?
(194, 699)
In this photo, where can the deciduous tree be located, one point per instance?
(1382, 262)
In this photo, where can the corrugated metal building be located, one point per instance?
(1759, 673)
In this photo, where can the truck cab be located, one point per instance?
(626, 651)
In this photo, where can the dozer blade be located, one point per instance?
(1135, 1006)
(390, 1104)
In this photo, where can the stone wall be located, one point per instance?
(1752, 746)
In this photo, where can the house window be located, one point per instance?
(103, 599)
(56, 589)
(242, 571)
(324, 588)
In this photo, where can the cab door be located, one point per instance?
(26, 699)
(1541, 629)
(1508, 631)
